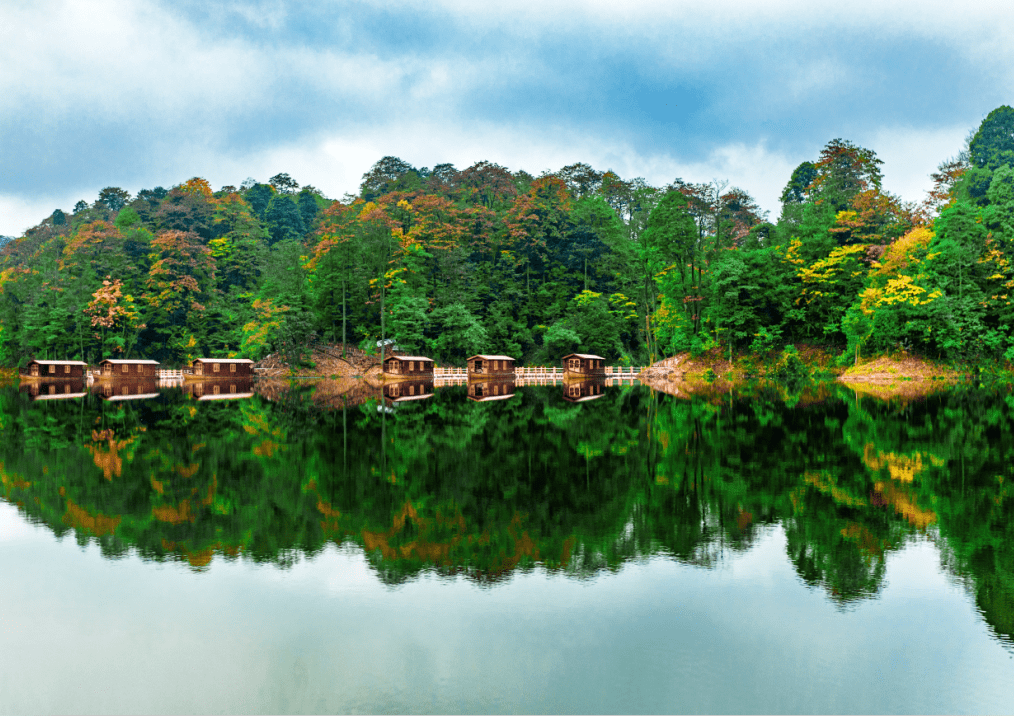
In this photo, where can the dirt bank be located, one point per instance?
(900, 376)
(712, 372)
(325, 361)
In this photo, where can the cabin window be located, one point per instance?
(52, 389)
(216, 389)
(52, 369)
(66, 369)
(232, 367)
(411, 366)
(125, 368)
(217, 367)
(232, 388)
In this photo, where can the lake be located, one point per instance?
(318, 547)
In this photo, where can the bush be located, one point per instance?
(790, 367)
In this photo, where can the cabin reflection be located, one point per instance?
(137, 389)
(62, 390)
(220, 389)
(580, 391)
(406, 390)
(485, 390)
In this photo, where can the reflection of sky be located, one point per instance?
(134, 94)
(87, 634)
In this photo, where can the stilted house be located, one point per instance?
(55, 369)
(405, 390)
(210, 368)
(583, 365)
(484, 390)
(115, 368)
(580, 391)
(486, 366)
(408, 367)
(53, 390)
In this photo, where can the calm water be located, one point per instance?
(318, 548)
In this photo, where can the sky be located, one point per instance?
(141, 94)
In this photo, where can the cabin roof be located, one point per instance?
(226, 396)
(222, 360)
(59, 396)
(131, 361)
(583, 355)
(423, 358)
(491, 357)
(139, 396)
(58, 362)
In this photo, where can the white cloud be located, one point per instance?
(911, 154)
(18, 213)
(335, 162)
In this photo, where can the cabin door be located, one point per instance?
(107, 369)
(35, 370)
(574, 364)
(199, 369)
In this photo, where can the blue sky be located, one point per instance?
(137, 94)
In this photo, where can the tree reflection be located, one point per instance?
(483, 488)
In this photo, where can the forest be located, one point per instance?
(450, 263)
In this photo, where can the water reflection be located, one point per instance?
(54, 390)
(405, 390)
(581, 390)
(485, 487)
(235, 389)
(137, 389)
(486, 390)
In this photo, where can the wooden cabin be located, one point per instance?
(579, 391)
(114, 368)
(209, 368)
(405, 390)
(486, 366)
(55, 369)
(583, 365)
(408, 367)
(484, 390)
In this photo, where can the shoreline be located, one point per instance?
(897, 375)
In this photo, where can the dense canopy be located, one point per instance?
(451, 263)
